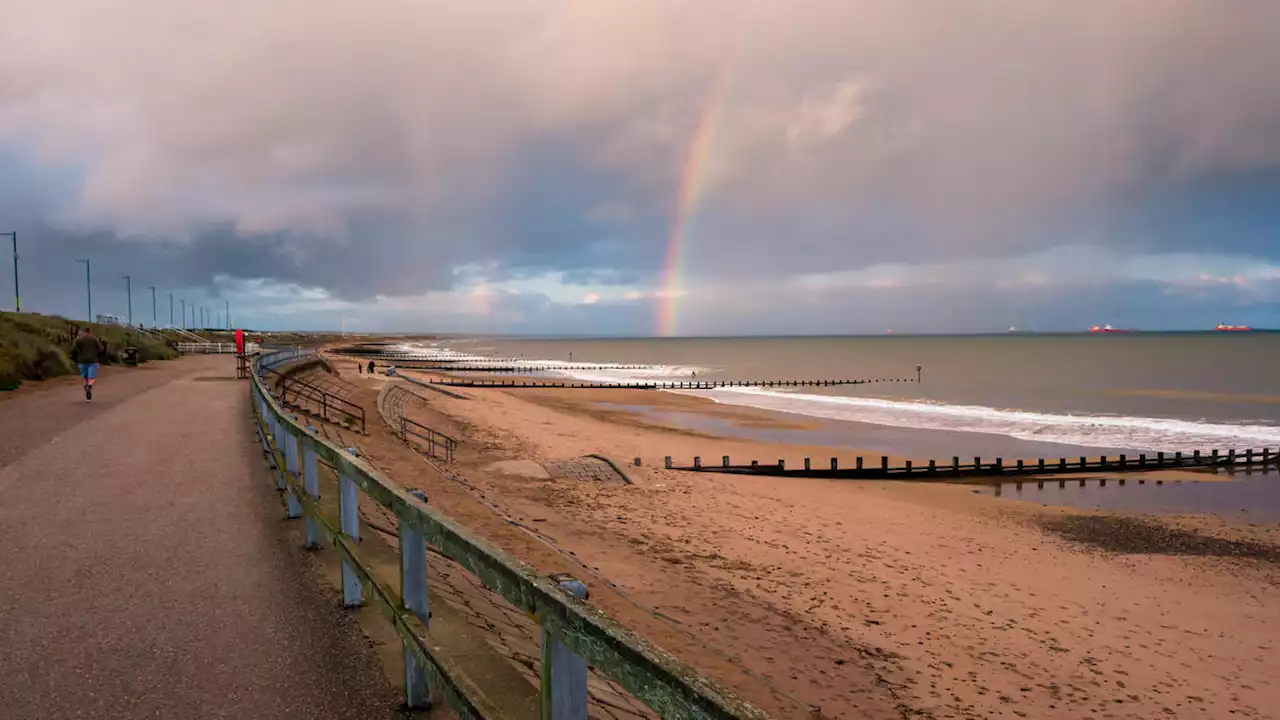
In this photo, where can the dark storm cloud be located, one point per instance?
(406, 148)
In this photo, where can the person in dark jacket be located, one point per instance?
(86, 352)
(370, 367)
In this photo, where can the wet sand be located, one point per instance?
(877, 599)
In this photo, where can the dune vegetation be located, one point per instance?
(37, 347)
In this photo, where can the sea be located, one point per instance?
(1019, 393)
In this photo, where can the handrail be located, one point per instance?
(317, 395)
(576, 633)
(434, 438)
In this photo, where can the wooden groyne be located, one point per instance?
(689, 385)
(439, 367)
(880, 469)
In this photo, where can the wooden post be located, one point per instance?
(637, 462)
(908, 467)
(1215, 457)
(955, 464)
(1019, 464)
(1142, 459)
(1062, 463)
(835, 464)
(697, 462)
(858, 463)
(725, 460)
(311, 485)
(781, 464)
(667, 462)
(1231, 456)
(755, 464)
(413, 588)
(806, 464)
(1102, 462)
(999, 466)
(349, 514)
(884, 462)
(1041, 465)
(1122, 459)
(1083, 463)
(1248, 456)
(977, 464)
(564, 672)
(293, 508)
(932, 468)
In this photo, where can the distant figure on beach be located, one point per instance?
(359, 368)
(693, 374)
(86, 352)
(370, 367)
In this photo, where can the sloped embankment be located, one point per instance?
(36, 347)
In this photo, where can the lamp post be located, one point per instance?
(155, 323)
(128, 291)
(170, 309)
(17, 297)
(184, 314)
(226, 305)
(88, 286)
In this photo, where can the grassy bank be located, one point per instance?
(36, 347)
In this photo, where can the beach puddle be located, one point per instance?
(1250, 497)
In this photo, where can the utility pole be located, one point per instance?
(17, 297)
(155, 322)
(128, 290)
(184, 314)
(88, 286)
(170, 309)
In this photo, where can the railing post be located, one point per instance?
(311, 484)
(349, 514)
(413, 588)
(293, 509)
(564, 673)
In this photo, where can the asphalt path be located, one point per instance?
(146, 569)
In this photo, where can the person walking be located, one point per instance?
(370, 367)
(86, 352)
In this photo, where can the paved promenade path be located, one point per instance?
(146, 569)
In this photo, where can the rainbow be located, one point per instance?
(693, 187)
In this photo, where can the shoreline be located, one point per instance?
(866, 598)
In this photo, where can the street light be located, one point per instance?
(17, 298)
(128, 291)
(88, 286)
(184, 314)
(227, 306)
(155, 323)
(170, 309)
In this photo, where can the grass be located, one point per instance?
(36, 347)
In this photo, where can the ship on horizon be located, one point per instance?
(1107, 329)
(1223, 327)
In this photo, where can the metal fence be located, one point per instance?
(574, 633)
(212, 348)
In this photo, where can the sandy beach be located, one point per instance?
(863, 599)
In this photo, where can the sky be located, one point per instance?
(655, 167)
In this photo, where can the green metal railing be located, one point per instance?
(574, 633)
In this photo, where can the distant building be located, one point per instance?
(110, 320)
